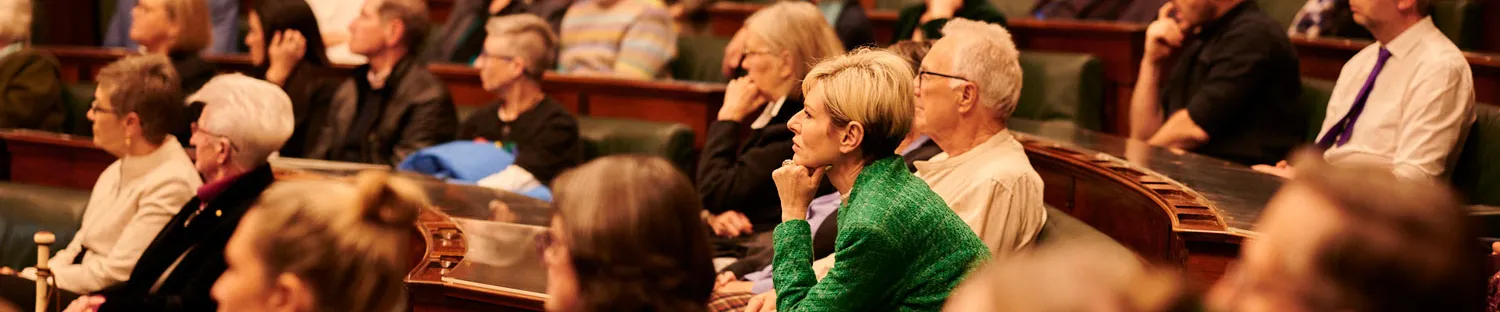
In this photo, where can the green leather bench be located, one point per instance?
(1315, 95)
(1062, 228)
(1477, 173)
(26, 209)
(1062, 87)
(699, 58)
(608, 136)
(80, 97)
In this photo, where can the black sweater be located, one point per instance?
(545, 137)
(734, 176)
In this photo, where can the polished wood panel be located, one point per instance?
(691, 103)
(53, 159)
(1158, 218)
(1323, 58)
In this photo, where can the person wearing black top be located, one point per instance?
(543, 134)
(1232, 93)
(244, 120)
(393, 106)
(287, 50)
(925, 21)
(461, 39)
(153, 27)
(781, 42)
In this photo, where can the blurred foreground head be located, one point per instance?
(1069, 278)
(1356, 239)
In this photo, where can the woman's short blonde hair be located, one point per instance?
(872, 87)
(15, 20)
(345, 241)
(194, 29)
(798, 28)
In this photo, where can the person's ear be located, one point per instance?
(289, 293)
(786, 65)
(968, 97)
(519, 65)
(854, 135)
(225, 151)
(1407, 5)
(394, 31)
(132, 122)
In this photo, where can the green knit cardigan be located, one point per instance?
(899, 248)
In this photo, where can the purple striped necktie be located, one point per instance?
(1339, 134)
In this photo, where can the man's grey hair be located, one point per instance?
(256, 116)
(987, 57)
(413, 14)
(15, 20)
(529, 37)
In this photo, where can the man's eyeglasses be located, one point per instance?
(197, 130)
(100, 110)
(921, 75)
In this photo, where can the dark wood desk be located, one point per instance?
(691, 103)
(1183, 210)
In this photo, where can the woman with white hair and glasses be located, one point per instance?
(31, 86)
(899, 246)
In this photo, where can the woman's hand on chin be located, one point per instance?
(796, 186)
(741, 99)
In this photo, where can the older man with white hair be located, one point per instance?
(31, 84)
(245, 120)
(967, 88)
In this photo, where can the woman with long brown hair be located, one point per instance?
(626, 237)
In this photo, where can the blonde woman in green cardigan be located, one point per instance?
(899, 247)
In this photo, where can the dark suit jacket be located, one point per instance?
(734, 176)
(461, 38)
(418, 113)
(31, 91)
(311, 89)
(201, 247)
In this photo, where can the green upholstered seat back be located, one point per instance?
(79, 97)
(1283, 11)
(1477, 173)
(1062, 228)
(699, 58)
(1315, 94)
(26, 209)
(1460, 21)
(1061, 87)
(608, 136)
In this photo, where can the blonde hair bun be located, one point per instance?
(387, 200)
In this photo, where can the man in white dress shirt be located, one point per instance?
(1405, 102)
(967, 88)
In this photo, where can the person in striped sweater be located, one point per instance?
(623, 38)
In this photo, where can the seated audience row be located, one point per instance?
(1233, 92)
(28, 76)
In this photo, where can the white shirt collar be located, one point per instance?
(132, 167)
(1408, 40)
(766, 115)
